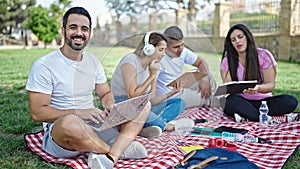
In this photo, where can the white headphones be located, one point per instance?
(148, 49)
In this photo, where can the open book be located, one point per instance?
(234, 87)
(122, 112)
(188, 78)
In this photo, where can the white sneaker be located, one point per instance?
(286, 118)
(135, 150)
(99, 161)
(151, 132)
(238, 118)
(172, 122)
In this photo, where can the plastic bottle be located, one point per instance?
(263, 113)
(248, 138)
(238, 137)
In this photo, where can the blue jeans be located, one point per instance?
(161, 113)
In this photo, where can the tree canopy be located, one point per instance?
(42, 24)
(133, 7)
(12, 14)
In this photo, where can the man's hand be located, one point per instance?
(205, 88)
(95, 115)
(109, 107)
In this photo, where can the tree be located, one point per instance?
(127, 7)
(133, 7)
(43, 24)
(11, 14)
(57, 10)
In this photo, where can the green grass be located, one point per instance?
(15, 118)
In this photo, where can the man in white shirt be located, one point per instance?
(60, 90)
(172, 65)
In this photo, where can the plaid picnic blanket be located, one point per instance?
(164, 153)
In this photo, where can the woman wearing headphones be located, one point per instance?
(136, 74)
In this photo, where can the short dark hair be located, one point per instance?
(76, 10)
(174, 32)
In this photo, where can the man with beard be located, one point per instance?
(172, 66)
(60, 89)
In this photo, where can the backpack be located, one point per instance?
(226, 159)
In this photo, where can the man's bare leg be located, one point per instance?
(70, 132)
(128, 132)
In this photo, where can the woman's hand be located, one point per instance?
(153, 68)
(177, 87)
(251, 90)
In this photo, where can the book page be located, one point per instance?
(188, 78)
(122, 112)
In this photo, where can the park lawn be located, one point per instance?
(15, 119)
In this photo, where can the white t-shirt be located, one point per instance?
(70, 83)
(171, 68)
(117, 82)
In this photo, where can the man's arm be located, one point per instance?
(201, 64)
(205, 87)
(105, 95)
(40, 109)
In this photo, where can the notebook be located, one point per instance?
(188, 78)
(234, 87)
(122, 112)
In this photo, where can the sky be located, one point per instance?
(96, 8)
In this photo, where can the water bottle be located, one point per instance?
(248, 138)
(263, 113)
(238, 137)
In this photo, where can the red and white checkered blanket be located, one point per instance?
(163, 152)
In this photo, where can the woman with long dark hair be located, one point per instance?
(242, 60)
